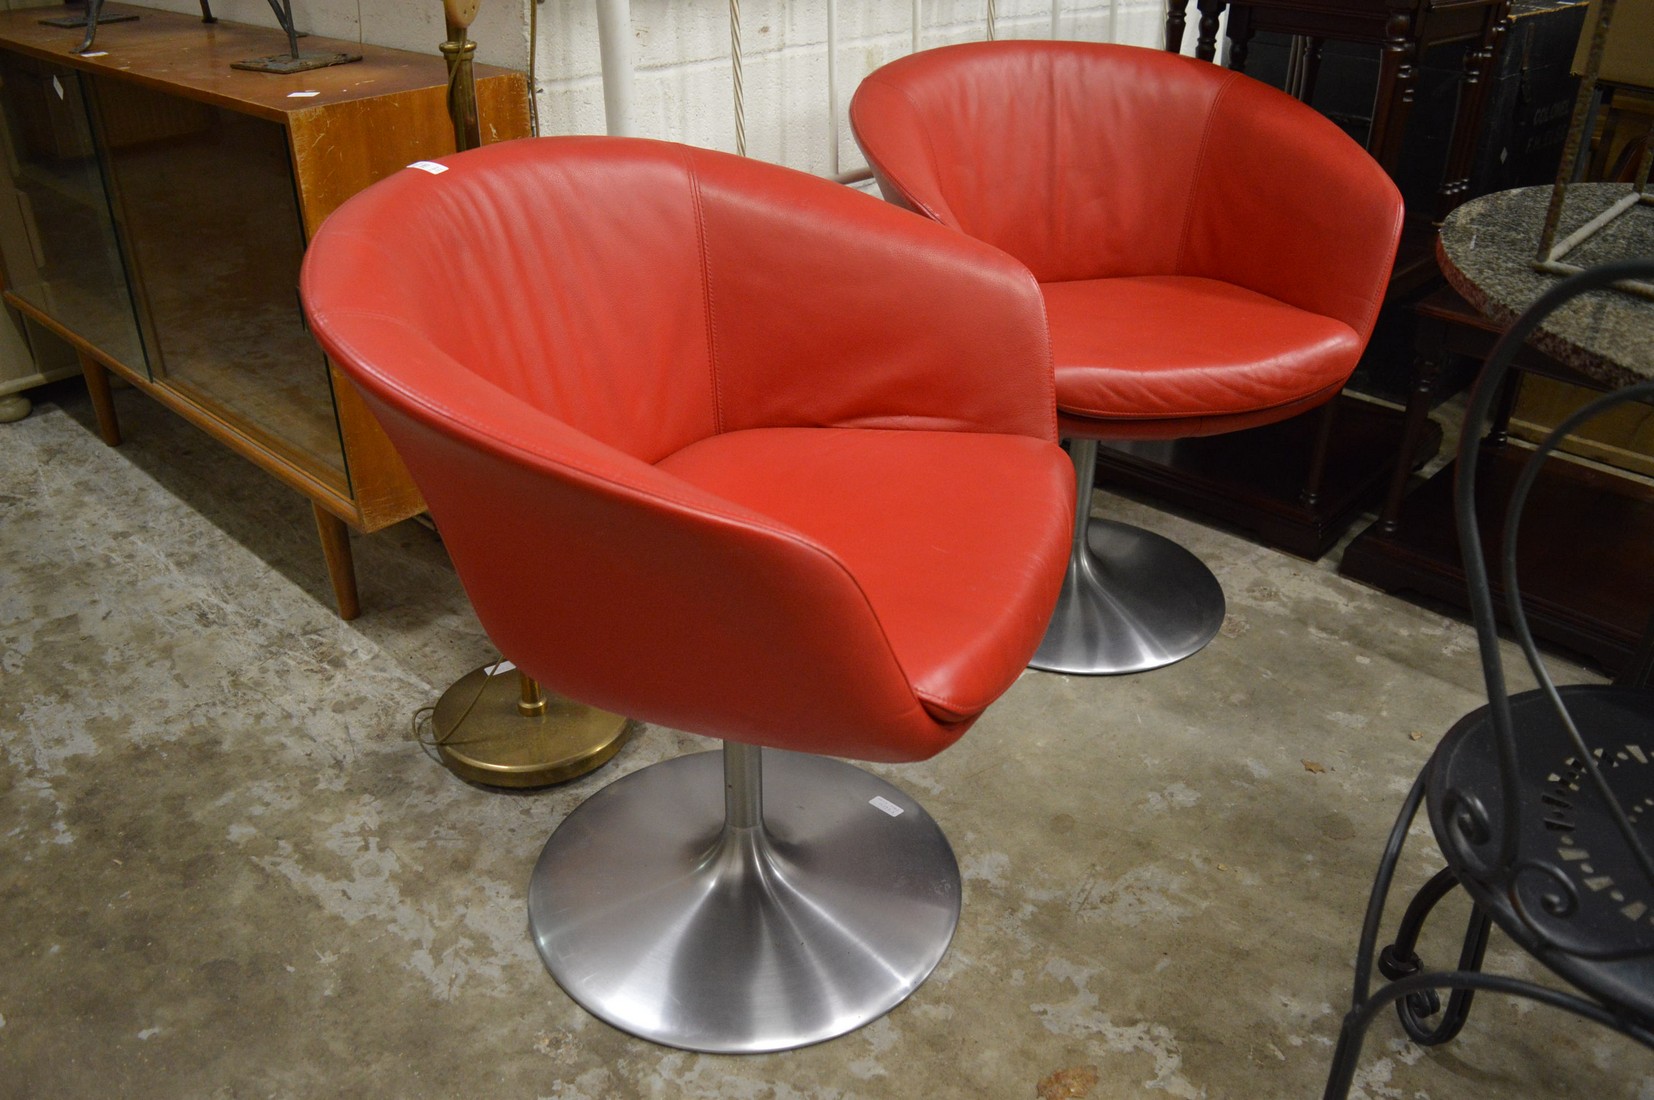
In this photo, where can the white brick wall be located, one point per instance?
(684, 87)
(681, 48)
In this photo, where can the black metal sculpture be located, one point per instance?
(94, 15)
(1540, 801)
(292, 61)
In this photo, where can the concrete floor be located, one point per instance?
(226, 869)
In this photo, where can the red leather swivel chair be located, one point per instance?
(689, 425)
(1212, 253)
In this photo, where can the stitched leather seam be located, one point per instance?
(1374, 298)
(491, 432)
(930, 141)
(964, 713)
(1050, 354)
(706, 294)
(1146, 418)
(1200, 163)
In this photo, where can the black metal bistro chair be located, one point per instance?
(1540, 801)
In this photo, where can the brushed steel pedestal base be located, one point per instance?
(484, 737)
(1132, 601)
(689, 906)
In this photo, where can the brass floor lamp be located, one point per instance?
(492, 727)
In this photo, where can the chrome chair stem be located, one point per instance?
(1132, 601)
(775, 923)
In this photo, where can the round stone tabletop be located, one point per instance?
(1486, 250)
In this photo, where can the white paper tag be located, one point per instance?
(886, 805)
(501, 667)
(301, 95)
(57, 86)
(430, 166)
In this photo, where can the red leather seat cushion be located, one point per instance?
(943, 559)
(1147, 348)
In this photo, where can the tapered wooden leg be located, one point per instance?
(1310, 496)
(1206, 44)
(103, 404)
(1176, 19)
(341, 567)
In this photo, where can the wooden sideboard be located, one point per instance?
(167, 198)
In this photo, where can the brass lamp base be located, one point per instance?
(486, 734)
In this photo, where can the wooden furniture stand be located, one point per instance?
(1600, 612)
(1596, 602)
(168, 198)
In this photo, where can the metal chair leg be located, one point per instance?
(1132, 601)
(1401, 960)
(1351, 1034)
(786, 919)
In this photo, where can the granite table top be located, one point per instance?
(1486, 250)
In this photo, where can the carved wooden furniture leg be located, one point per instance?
(1473, 92)
(103, 404)
(341, 566)
(1176, 20)
(1428, 359)
(1206, 45)
(1314, 48)
(1398, 75)
(1313, 480)
(1240, 38)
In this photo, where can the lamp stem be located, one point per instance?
(462, 86)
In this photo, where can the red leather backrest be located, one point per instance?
(1087, 161)
(541, 323)
(883, 323)
(1075, 158)
(573, 283)
(627, 289)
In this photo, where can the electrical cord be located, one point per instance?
(426, 736)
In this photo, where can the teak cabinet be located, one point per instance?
(167, 198)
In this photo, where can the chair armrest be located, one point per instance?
(752, 629)
(1284, 203)
(829, 307)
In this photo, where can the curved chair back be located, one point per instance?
(1538, 800)
(1091, 161)
(1499, 831)
(632, 299)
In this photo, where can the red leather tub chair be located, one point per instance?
(689, 425)
(1212, 254)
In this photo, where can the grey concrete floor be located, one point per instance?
(227, 869)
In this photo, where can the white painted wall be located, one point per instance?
(684, 87)
(681, 53)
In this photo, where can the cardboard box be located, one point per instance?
(1622, 438)
(1628, 57)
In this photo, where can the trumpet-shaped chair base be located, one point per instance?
(696, 906)
(1132, 601)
